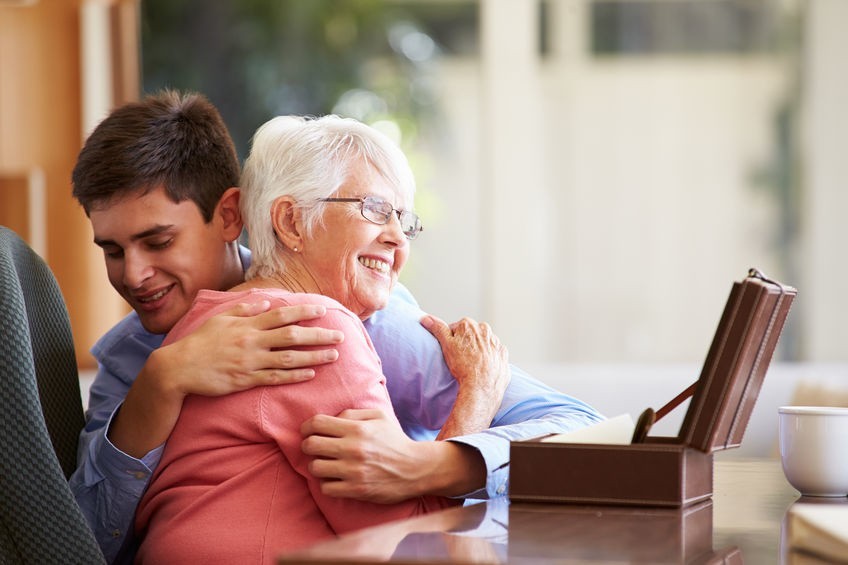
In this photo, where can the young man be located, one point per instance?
(157, 179)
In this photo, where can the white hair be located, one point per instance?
(309, 159)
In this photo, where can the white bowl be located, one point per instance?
(814, 449)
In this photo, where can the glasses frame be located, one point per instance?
(401, 214)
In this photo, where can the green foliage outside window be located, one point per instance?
(255, 59)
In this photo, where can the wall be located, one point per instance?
(592, 211)
(597, 209)
(40, 135)
(826, 174)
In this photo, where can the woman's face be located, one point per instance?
(352, 259)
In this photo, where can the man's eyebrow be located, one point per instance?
(155, 230)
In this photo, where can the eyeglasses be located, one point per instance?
(378, 211)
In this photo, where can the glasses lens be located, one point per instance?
(410, 224)
(376, 210)
(380, 211)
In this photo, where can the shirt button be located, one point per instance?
(116, 533)
(140, 475)
(501, 489)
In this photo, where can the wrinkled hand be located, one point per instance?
(245, 347)
(480, 364)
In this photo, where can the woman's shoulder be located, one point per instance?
(337, 317)
(209, 303)
(280, 297)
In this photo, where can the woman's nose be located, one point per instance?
(394, 230)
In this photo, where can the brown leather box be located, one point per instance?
(669, 471)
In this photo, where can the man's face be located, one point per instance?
(159, 254)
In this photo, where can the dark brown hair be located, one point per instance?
(170, 139)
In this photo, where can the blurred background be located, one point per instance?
(592, 174)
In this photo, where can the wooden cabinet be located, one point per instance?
(43, 98)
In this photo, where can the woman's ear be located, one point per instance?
(285, 219)
(229, 213)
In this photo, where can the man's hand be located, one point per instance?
(236, 350)
(480, 364)
(245, 347)
(363, 454)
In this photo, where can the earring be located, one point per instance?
(294, 249)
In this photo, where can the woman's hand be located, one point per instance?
(480, 364)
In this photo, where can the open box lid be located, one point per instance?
(736, 363)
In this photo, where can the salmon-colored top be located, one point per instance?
(233, 484)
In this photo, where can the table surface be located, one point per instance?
(742, 523)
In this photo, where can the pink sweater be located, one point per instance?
(233, 484)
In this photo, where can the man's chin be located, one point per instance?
(155, 325)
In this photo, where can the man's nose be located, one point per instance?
(137, 269)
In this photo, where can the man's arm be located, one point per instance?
(367, 458)
(362, 455)
(236, 350)
(229, 353)
(529, 409)
(423, 393)
(359, 458)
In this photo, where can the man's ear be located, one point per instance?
(285, 219)
(230, 214)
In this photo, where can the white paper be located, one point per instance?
(821, 529)
(617, 430)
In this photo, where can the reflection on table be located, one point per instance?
(742, 523)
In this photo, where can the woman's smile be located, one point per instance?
(378, 265)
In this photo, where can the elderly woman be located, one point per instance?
(328, 206)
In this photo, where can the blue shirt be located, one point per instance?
(109, 483)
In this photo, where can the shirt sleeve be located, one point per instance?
(529, 409)
(355, 380)
(108, 483)
(423, 392)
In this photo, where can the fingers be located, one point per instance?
(279, 324)
(466, 331)
(436, 326)
(322, 425)
(468, 326)
(322, 446)
(282, 376)
(286, 315)
(362, 414)
(327, 469)
(337, 426)
(280, 329)
(246, 310)
(266, 318)
(336, 488)
(299, 336)
(463, 336)
(339, 480)
(288, 359)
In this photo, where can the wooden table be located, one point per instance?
(742, 523)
